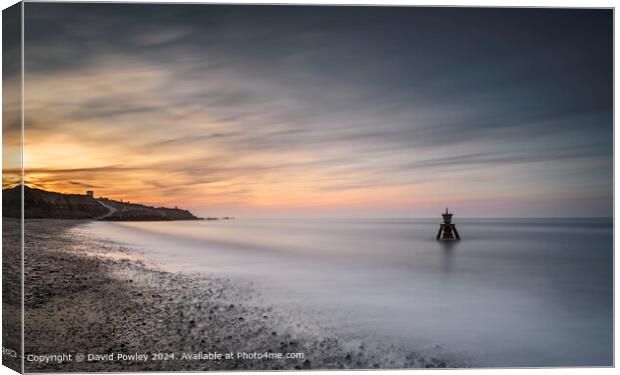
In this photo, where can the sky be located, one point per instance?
(255, 111)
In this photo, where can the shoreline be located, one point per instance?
(91, 296)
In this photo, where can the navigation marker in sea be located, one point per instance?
(447, 230)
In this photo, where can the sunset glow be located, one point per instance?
(232, 117)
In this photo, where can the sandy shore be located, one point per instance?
(90, 296)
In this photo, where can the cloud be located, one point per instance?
(210, 103)
(83, 185)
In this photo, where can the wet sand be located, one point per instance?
(91, 296)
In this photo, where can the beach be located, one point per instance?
(113, 309)
(11, 293)
(314, 294)
(511, 293)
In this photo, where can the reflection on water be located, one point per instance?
(512, 292)
(448, 248)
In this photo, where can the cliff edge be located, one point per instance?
(40, 204)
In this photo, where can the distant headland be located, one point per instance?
(42, 204)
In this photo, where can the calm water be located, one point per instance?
(511, 293)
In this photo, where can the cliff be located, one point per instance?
(137, 212)
(46, 204)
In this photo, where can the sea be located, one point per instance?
(510, 293)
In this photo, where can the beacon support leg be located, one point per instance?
(456, 232)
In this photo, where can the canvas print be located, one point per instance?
(193, 187)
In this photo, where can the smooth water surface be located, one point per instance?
(513, 292)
